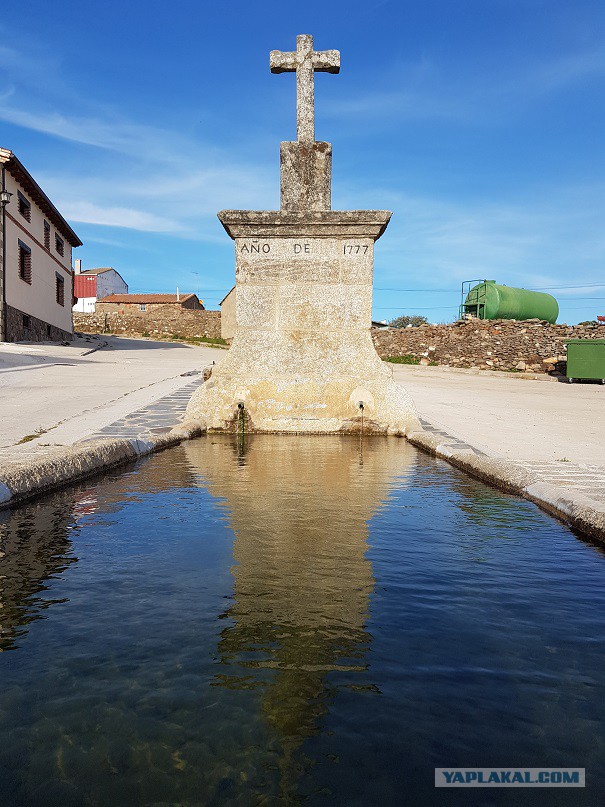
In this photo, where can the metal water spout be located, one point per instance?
(361, 408)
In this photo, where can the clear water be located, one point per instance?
(290, 622)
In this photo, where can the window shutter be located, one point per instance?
(27, 266)
(24, 207)
(25, 262)
(60, 290)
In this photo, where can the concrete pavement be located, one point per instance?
(68, 393)
(510, 417)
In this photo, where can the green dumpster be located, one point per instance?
(586, 359)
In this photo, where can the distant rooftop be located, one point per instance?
(146, 298)
(226, 295)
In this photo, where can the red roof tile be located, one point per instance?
(147, 298)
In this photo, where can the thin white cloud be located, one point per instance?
(109, 242)
(532, 242)
(566, 69)
(117, 135)
(429, 91)
(142, 177)
(182, 201)
(126, 217)
(578, 291)
(84, 121)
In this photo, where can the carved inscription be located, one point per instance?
(256, 247)
(305, 248)
(355, 249)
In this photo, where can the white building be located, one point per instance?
(36, 278)
(93, 285)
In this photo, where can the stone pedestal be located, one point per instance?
(302, 359)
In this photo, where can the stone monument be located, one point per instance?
(302, 358)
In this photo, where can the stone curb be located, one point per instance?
(24, 480)
(20, 481)
(574, 508)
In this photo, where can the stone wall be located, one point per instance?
(151, 309)
(164, 323)
(532, 345)
(495, 345)
(21, 327)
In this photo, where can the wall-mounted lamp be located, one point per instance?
(5, 197)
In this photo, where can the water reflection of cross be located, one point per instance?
(305, 62)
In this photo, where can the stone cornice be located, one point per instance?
(287, 224)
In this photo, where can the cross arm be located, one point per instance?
(281, 62)
(326, 61)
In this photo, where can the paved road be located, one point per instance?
(518, 419)
(71, 392)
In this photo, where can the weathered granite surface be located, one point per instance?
(305, 62)
(302, 358)
(306, 176)
(350, 223)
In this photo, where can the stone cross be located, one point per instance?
(305, 61)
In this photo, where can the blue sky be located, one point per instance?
(479, 123)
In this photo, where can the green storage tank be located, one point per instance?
(489, 300)
(586, 359)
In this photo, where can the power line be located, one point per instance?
(441, 291)
(457, 291)
(579, 286)
(450, 307)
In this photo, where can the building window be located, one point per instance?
(27, 323)
(60, 290)
(47, 235)
(24, 206)
(25, 262)
(142, 307)
(59, 245)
